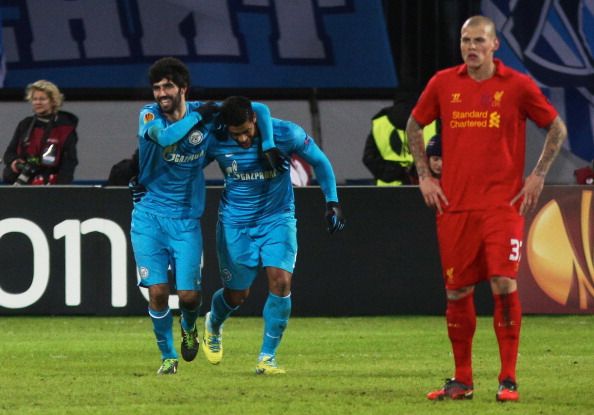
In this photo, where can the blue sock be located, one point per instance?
(189, 317)
(277, 311)
(163, 328)
(219, 311)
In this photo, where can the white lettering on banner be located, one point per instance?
(117, 241)
(41, 263)
(92, 30)
(93, 24)
(212, 31)
(298, 37)
(71, 230)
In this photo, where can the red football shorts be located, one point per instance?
(477, 245)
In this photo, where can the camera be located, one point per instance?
(28, 170)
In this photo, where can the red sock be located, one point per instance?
(461, 319)
(507, 319)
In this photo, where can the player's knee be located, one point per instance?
(459, 293)
(158, 303)
(158, 297)
(235, 298)
(503, 285)
(282, 289)
(279, 283)
(189, 300)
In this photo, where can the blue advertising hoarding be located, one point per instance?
(226, 44)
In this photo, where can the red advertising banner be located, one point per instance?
(557, 271)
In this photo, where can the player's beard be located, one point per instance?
(175, 103)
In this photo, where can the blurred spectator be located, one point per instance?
(121, 172)
(43, 147)
(386, 152)
(301, 171)
(585, 175)
(433, 151)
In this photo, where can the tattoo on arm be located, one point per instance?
(556, 134)
(414, 133)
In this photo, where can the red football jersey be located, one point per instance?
(483, 132)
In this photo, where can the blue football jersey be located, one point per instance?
(173, 174)
(253, 191)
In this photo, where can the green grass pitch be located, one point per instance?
(363, 365)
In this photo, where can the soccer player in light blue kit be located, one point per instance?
(169, 198)
(257, 225)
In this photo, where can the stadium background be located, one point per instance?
(328, 65)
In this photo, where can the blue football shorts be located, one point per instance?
(162, 243)
(243, 249)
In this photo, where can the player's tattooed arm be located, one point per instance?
(429, 186)
(414, 133)
(556, 134)
(534, 183)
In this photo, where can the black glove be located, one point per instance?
(208, 111)
(137, 190)
(277, 160)
(334, 217)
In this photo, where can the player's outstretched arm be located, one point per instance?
(429, 186)
(264, 119)
(275, 158)
(325, 176)
(534, 183)
(168, 135)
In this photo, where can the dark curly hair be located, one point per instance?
(172, 69)
(236, 110)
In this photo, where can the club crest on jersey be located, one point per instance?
(143, 272)
(497, 96)
(196, 137)
(149, 116)
(226, 275)
(450, 275)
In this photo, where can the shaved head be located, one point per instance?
(479, 20)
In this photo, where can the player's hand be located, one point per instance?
(277, 160)
(334, 217)
(208, 111)
(433, 193)
(137, 190)
(531, 190)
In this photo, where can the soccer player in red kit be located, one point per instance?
(481, 197)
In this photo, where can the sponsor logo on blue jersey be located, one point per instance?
(232, 172)
(170, 155)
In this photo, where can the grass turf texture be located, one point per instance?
(368, 365)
